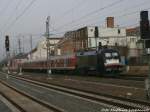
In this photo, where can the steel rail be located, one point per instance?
(13, 103)
(43, 103)
(120, 102)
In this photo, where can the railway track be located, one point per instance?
(40, 105)
(8, 105)
(134, 78)
(118, 102)
(105, 76)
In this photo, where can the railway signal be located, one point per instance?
(145, 35)
(145, 29)
(144, 25)
(96, 36)
(7, 43)
(96, 31)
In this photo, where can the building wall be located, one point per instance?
(135, 49)
(67, 47)
(39, 54)
(41, 51)
(85, 38)
(112, 32)
(91, 31)
(73, 41)
(108, 36)
(112, 41)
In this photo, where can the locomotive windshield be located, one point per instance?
(115, 55)
(108, 55)
(111, 55)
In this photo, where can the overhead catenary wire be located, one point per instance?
(121, 16)
(2, 11)
(13, 13)
(131, 25)
(91, 13)
(20, 15)
(62, 32)
(69, 11)
(56, 32)
(80, 3)
(129, 13)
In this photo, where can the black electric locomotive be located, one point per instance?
(102, 61)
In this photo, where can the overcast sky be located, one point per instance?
(21, 18)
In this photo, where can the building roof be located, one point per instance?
(21, 56)
(33, 50)
(54, 38)
(133, 31)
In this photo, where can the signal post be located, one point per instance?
(7, 45)
(145, 36)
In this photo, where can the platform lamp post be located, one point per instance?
(7, 45)
(145, 36)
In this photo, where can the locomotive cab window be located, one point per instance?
(108, 55)
(115, 55)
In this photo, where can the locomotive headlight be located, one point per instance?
(111, 61)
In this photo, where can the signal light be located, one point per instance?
(96, 32)
(144, 29)
(7, 43)
(144, 15)
(144, 25)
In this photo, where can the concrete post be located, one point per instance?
(20, 71)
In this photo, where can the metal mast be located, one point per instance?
(48, 45)
(19, 44)
(47, 38)
(31, 47)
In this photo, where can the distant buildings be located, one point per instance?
(127, 41)
(123, 39)
(85, 38)
(40, 52)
